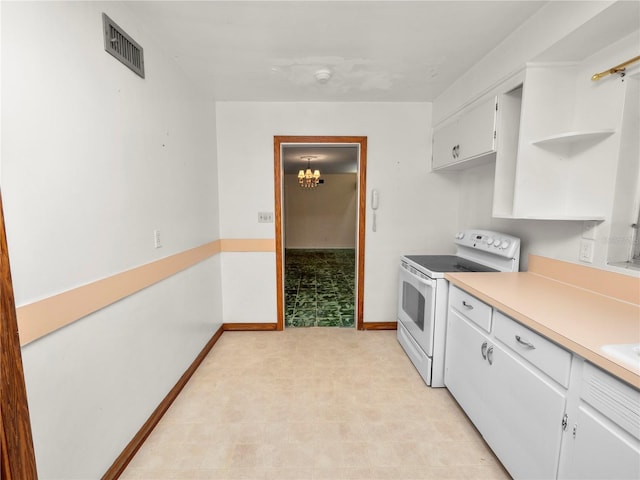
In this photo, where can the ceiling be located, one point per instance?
(382, 51)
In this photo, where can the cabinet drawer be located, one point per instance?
(544, 354)
(472, 308)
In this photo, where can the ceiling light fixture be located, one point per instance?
(307, 178)
(323, 75)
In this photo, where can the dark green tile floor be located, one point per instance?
(319, 288)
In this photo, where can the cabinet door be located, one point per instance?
(466, 370)
(517, 409)
(445, 139)
(601, 449)
(469, 136)
(477, 128)
(527, 409)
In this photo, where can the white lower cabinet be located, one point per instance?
(517, 410)
(601, 450)
(544, 411)
(528, 410)
(603, 438)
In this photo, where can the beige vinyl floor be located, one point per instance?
(312, 403)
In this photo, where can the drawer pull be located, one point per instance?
(483, 350)
(467, 305)
(490, 355)
(524, 342)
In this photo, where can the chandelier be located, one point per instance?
(306, 178)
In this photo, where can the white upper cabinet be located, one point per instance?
(468, 139)
(570, 132)
(566, 147)
(562, 143)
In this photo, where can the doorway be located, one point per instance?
(303, 260)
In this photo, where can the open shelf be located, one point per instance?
(568, 138)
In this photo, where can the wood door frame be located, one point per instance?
(17, 456)
(278, 141)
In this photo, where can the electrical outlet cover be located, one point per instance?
(586, 251)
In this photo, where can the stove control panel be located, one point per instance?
(496, 243)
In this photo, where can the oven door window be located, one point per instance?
(416, 302)
(413, 304)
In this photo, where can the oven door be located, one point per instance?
(416, 306)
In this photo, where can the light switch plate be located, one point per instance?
(265, 217)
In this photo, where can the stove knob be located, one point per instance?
(489, 240)
(497, 244)
(505, 244)
(461, 235)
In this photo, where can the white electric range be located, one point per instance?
(423, 293)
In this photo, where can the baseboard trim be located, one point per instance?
(134, 445)
(380, 326)
(249, 327)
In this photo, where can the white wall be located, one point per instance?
(94, 159)
(93, 384)
(548, 238)
(597, 103)
(321, 217)
(418, 211)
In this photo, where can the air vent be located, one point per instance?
(122, 46)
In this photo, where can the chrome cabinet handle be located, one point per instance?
(483, 350)
(490, 355)
(468, 305)
(525, 343)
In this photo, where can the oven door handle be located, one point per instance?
(429, 282)
(426, 281)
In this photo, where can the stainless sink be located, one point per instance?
(627, 353)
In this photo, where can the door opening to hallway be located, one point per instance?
(320, 231)
(320, 235)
